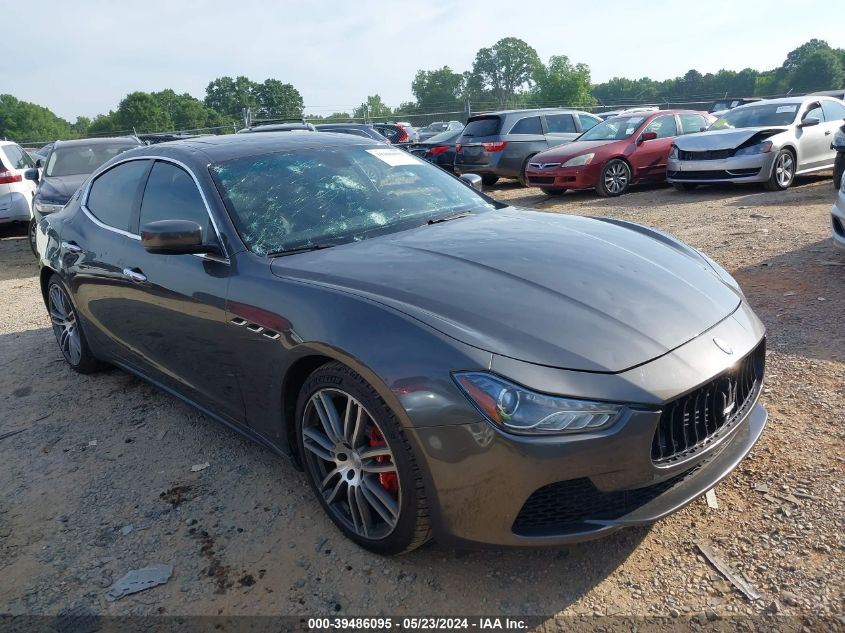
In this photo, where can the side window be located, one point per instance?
(664, 126)
(691, 123)
(171, 194)
(113, 193)
(528, 125)
(17, 158)
(558, 123)
(815, 112)
(833, 111)
(587, 122)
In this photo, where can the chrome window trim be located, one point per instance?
(83, 203)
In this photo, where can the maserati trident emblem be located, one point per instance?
(722, 345)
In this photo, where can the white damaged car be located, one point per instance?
(769, 142)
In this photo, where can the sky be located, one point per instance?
(83, 57)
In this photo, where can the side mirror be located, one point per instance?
(173, 237)
(31, 174)
(647, 136)
(810, 122)
(472, 180)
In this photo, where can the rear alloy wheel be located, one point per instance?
(65, 324)
(783, 171)
(33, 229)
(489, 179)
(359, 463)
(615, 178)
(523, 177)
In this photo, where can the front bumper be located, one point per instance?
(480, 478)
(756, 168)
(837, 219)
(582, 177)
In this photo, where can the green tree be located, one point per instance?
(142, 112)
(437, 90)
(795, 57)
(24, 121)
(278, 100)
(504, 68)
(562, 83)
(820, 70)
(187, 112)
(375, 109)
(229, 96)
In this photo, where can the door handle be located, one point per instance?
(827, 132)
(134, 274)
(71, 247)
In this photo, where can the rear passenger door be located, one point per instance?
(560, 128)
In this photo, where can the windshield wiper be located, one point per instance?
(299, 249)
(446, 218)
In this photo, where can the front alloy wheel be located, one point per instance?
(615, 179)
(358, 464)
(783, 171)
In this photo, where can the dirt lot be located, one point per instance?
(99, 481)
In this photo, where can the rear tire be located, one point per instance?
(554, 192)
(685, 186)
(377, 501)
(69, 334)
(615, 179)
(783, 171)
(838, 169)
(523, 178)
(489, 179)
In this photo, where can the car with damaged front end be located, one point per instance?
(769, 142)
(438, 363)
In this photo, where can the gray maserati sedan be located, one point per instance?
(438, 363)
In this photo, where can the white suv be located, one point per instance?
(16, 192)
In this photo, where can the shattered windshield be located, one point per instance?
(317, 197)
(757, 116)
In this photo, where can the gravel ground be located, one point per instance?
(99, 482)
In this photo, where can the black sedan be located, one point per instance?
(439, 149)
(437, 362)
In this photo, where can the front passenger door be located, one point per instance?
(175, 305)
(650, 157)
(813, 144)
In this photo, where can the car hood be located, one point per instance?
(556, 290)
(723, 139)
(59, 189)
(563, 153)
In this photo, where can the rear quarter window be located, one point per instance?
(113, 194)
(528, 125)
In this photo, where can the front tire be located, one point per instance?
(783, 171)
(69, 334)
(33, 229)
(838, 169)
(615, 179)
(359, 463)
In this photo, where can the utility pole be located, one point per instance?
(469, 109)
(247, 114)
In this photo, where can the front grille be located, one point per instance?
(541, 180)
(691, 422)
(715, 154)
(565, 506)
(713, 174)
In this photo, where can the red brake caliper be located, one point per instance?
(389, 481)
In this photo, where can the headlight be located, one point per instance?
(761, 148)
(47, 207)
(583, 159)
(519, 410)
(673, 152)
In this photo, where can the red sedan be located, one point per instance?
(614, 154)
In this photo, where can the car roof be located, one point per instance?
(230, 146)
(528, 111)
(355, 125)
(802, 100)
(108, 140)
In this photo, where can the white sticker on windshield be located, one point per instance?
(394, 157)
(786, 108)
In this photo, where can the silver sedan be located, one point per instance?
(769, 142)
